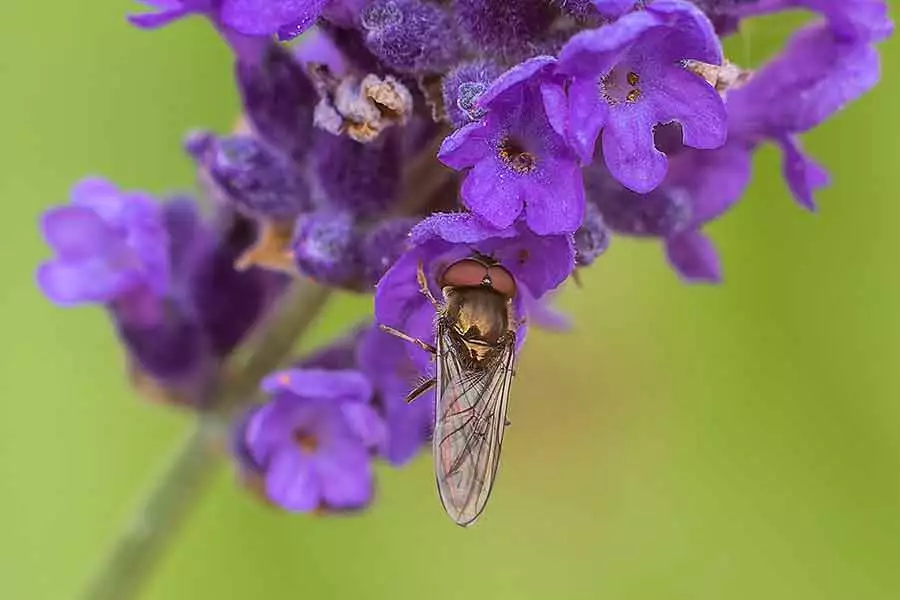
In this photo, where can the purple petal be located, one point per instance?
(156, 20)
(589, 113)
(273, 423)
(543, 314)
(397, 291)
(555, 204)
(266, 17)
(456, 228)
(613, 8)
(694, 257)
(85, 282)
(812, 79)
(850, 20)
(803, 175)
(540, 262)
(515, 76)
(467, 145)
(690, 32)
(318, 383)
(712, 179)
(345, 474)
(91, 188)
(596, 51)
(489, 192)
(629, 151)
(556, 107)
(365, 423)
(76, 232)
(684, 97)
(291, 481)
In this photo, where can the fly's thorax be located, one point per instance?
(478, 314)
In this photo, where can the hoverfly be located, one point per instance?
(475, 357)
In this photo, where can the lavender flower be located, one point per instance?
(519, 162)
(311, 441)
(538, 264)
(111, 247)
(627, 77)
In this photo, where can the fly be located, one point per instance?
(475, 358)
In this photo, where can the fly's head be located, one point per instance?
(478, 292)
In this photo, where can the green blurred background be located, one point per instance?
(737, 442)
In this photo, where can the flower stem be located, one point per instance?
(157, 521)
(140, 544)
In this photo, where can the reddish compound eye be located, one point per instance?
(502, 281)
(464, 273)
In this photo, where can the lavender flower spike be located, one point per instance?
(627, 77)
(519, 161)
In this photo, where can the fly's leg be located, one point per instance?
(424, 289)
(421, 389)
(404, 336)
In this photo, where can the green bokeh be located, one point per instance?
(682, 442)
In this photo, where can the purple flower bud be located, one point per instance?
(278, 100)
(463, 86)
(224, 302)
(254, 177)
(410, 36)
(592, 238)
(382, 245)
(325, 248)
(362, 179)
(510, 28)
(229, 302)
(172, 349)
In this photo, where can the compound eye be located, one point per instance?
(502, 281)
(464, 273)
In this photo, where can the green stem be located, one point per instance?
(140, 544)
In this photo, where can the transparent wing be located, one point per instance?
(469, 423)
